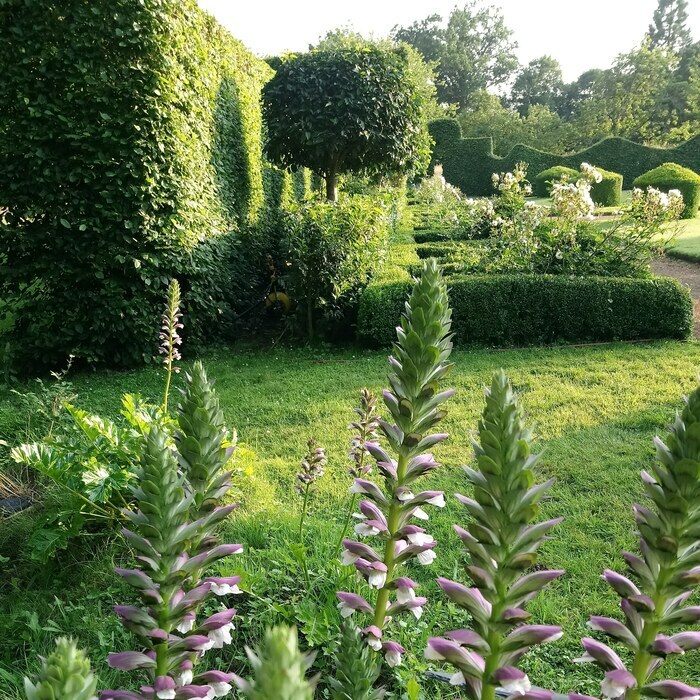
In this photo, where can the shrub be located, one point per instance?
(671, 176)
(332, 250)
(607, 192)
(542, 185)
(527, 309)
(130, 151)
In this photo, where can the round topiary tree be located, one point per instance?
(542, 185)
(346, 110)
(671, 176)
(607, 192)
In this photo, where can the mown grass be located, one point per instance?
(687, 245)
(596, 410)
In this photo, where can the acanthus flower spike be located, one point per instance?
(418, 366)
(501, 541)
(177, 494)
(667, 572)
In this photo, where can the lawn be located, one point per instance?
(687, 245)
(596, 410)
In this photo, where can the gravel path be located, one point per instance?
(686, 272)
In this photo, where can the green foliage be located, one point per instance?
(64, 675)
(346, 110)
(357, 667)
(671, 176)
(542, 183)
(669, 29)
(527, 309)
(92, 463)
(470, 163)
(472, 51)
(333, 250)
(607, 192)
(280, 668)
(130, 150)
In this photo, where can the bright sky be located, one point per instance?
(580, 35)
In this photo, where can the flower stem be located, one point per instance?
(168, 377)
(390, 547)
(344, 532)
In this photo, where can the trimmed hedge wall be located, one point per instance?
(469, 163)
(670, 176)
(534, 309)
(130, 150)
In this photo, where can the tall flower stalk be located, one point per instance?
(419, 364)
(364, 430)
(175, 550)
(501, 540)
(667, 572)
(312, 469)
(170, 339)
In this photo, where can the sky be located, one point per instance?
(580, 35)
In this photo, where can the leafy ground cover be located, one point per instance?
(596, 409)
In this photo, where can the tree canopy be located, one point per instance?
(343, 110)
(473, 50)
(669, 29)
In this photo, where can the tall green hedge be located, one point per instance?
(130, 152)
(469, 163)
(532, 309)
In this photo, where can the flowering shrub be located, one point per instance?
(512, 188)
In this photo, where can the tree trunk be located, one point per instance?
(310, 318)
(332, 186)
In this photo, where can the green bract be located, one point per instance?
(64, 675)
(357, 668)
(345, 110)
(279, 668)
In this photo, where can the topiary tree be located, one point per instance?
(542, 185)
(346, 110)
(671, 176)
(607, 192)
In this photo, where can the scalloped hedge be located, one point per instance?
(534, 309)
(130, 150)
(672, 176)
(469, 163)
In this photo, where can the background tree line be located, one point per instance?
(650, 94)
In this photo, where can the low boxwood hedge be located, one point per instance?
(533, 309)
(542, 182)
(432, 236)
(671, 176)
